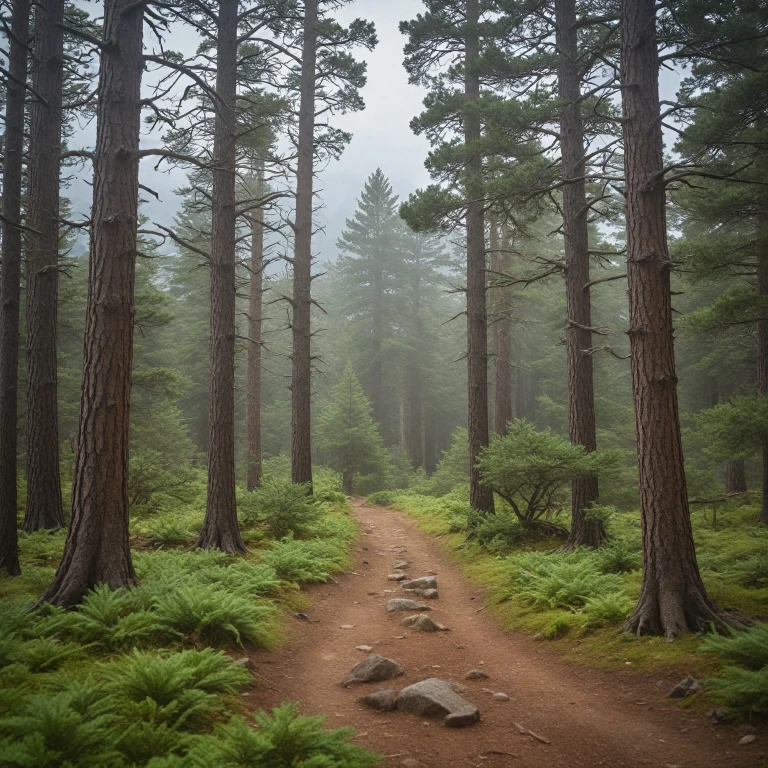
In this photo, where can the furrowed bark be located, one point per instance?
(502, 343)
(762, 348)
(301, 369)
(416, 433)
(97, 549)
(44, 504)
(10, 286)
(735, 476)
(578, 337)
(480, 497)
(220, 527)
(253, 372)
(672, 597)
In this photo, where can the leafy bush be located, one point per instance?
(744, 692)
(170, 530)
(326, 485)
(42, 547)
(749, 648)
(282, 507)
(453, 468)
(212, 615)
(529, 468)
(283, 740)
(172, 689)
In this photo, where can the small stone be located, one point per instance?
(716, 715)
(401, 604)
(374, 669)
(425, 582)
(372, 593)
(435, 698)
(401, 637)
(500, 697)
(397, 577)
(364, 648)
(347, 626)
(428, 594)
(475, 674)
(422, 623)
(748, 739)
(539, 636)
(244, 662)
(400, 566)
(384, 701)
(685, 688)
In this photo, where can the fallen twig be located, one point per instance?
(498, 752)
(527, 732)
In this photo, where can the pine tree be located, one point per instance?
(347, 433)
(368, 265)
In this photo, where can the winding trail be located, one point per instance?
(584, 717)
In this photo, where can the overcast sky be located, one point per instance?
(381, 136)
(381, 133)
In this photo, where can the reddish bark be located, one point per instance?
(44, 504)
(480, 497)
(301, 370)
(762, 351)
(672, 597)
(735, 476)
(10, 285)
(220, 527)
(253, 372)
(502, 335)
(97, 549)
(578, 336)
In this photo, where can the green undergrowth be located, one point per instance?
(577, 601)
(154, 675)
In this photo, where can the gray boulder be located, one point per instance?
(422, 623)
(384, 701)
(427, 594)
(435, 698)
(402, 604)
(373, 669)
(425, 582)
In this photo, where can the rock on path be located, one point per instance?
(436, 698)
(401, 604)
(373, 669)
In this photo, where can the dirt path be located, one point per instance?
(587, 718)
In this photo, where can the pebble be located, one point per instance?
(364, 648)
(746, 740)
(476, 674)
(500, 697)
(397, 577)
(347, 626)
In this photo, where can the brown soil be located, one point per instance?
(583, 717)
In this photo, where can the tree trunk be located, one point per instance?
(502, 331)
(480, 497)
(44, 504)
(416, 436)
(762, 347)
(253, 373)
(10, 285)
(578, 337)
(347, 484)
(377, 333)
(735, 476)
(301, 369)
(672, 597)
(97, 549)
(220, 528)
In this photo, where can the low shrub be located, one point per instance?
(382, 498)
(619, 557)
(303, 561)
(748, 648)
(282, 739)
(743, 692)
(210, 614)
(557, 628)
(283, 508)
(750, 572)
(172, 689)
(611, 608)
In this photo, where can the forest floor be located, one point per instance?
(584, 717)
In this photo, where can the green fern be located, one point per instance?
(743, 692)
(211, 615)
(749, 648)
